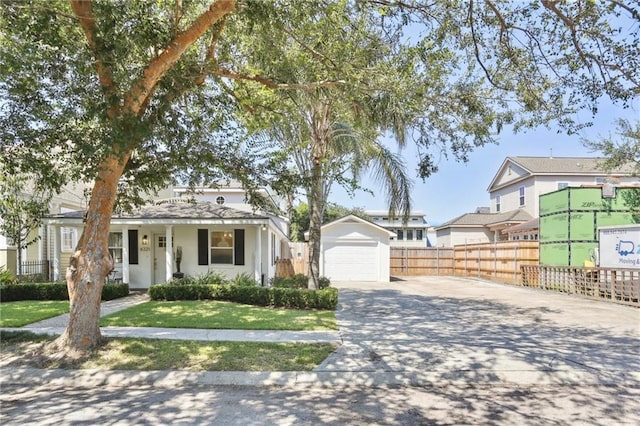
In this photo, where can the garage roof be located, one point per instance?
(355, 219)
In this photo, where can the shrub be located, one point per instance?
(6, 277)
(294, 281)
(244, 280)
(211, 277)
(324, 282)
(53, 291)
(260, 296)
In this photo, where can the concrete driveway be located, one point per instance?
(437, 330)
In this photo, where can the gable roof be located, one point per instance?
(561, 166)
(474, 220)
(355, 219)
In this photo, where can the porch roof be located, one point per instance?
(201, 212)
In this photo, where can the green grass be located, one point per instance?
(150, 354)
(157, 354)
(220, 315)
(17, 314)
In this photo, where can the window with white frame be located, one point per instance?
(419, 235)
(222, 247)
(521, 190)
(498, 202)
(400, 234)
(409, 234)
(115, 246)
(220, 200)
(69, 238)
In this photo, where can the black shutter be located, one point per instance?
(203, 246)
(133, 246)
(238, 248)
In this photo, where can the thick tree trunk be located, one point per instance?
(91, 263)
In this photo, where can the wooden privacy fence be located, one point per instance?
(499, 261)
(615, 285)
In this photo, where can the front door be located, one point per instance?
(159, 258)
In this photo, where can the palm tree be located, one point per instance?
(326, 149)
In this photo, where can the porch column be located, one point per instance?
(169, 253)
(257, 253)
(125, 255)
(270, 267)
(56, 252)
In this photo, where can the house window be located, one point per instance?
(498, 202)
(601, 180)
(162, 241)
(222, 247)
(400, 234)
(69, 238)
(521, 189)
(220, 200)
(419, 234)
(115, 246)
(409, 234)
(562, 185)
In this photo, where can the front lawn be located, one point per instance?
(157, 354)
(219, 315)
(18, 314)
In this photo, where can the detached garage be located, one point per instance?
(353, 249)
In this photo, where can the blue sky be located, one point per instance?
(459, 188)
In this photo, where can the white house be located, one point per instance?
(478, 227)
(354, 249)
(414, 233)
(520, 181)
(514, 196)
(215, 229)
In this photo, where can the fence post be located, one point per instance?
(405, 261)
(515, 265)
(437, 261)
(466, 273)
(495, 259)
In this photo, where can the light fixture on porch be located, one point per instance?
(264, 227)
(145, 240)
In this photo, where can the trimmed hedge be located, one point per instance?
(292, 298)
(53, 291)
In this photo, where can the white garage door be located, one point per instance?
(351, 261)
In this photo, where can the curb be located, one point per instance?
(172, 379)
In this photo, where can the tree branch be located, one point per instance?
(143, 87)
(84, 14)
(306, 87)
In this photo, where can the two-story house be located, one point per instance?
(514, 196)
(414, 233)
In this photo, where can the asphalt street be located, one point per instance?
(433, 350)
